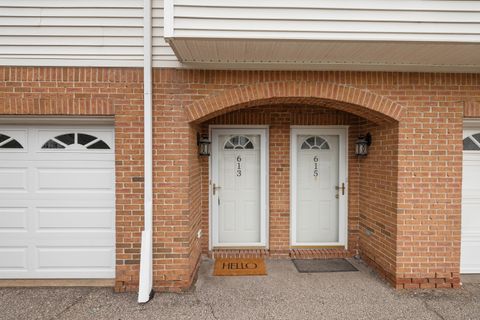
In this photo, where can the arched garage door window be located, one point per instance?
(7, 142)
(472, 142)
(75, 141)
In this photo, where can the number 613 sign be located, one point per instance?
(238, 167)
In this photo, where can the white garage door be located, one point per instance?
(470, 255)
(57, 196)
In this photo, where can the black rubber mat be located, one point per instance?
(323, 265)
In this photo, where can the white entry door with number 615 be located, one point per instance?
(318, 186)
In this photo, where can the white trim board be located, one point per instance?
(471, 123)
(57, 120)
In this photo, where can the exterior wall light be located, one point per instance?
(203, 145)
(362, 144)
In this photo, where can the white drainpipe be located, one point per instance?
(145, 291)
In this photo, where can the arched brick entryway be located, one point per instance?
(283, 104)
(360, 102)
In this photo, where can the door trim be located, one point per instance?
(58, 120)
(342, 132)
(214, 131)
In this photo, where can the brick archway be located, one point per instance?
(360, 102)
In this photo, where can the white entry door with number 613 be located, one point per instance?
(238, 187)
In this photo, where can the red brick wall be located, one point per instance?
(428, 108)
(378, 199)
(429, 188)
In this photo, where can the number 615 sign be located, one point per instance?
(315, 166)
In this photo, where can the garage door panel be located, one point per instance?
(75, 218)
(471, 217)
(13, 258)
(65, 199)
(58, 274)
(64, 238)
(13, 219)
(57, 207)
(83, 159)
(74, 238)
(470, 260)
(75, 258)
(13, 179)
(471, 179)
(75, 179)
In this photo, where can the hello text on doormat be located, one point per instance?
(239, 267)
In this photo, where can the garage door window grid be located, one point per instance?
(64, 141)
(7, 142)
(472, 142)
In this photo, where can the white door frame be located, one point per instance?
(342, 132)
(214, 132)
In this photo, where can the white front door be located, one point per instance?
(470, 253)
(57, 202)
(318, 186)
(238, 187)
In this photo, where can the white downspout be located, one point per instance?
(145, 291)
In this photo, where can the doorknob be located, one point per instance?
(215, 188)
(341, 188)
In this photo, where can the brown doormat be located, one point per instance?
(239, 267)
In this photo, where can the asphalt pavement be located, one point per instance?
(282, 294)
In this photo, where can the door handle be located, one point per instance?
(341, 188)
(215, 188)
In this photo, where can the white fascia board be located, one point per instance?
(168, 19)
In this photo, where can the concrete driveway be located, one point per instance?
(283, 294)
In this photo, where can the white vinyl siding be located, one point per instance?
(79, 33)
(378, 35)
(328, 20)
(408, 35)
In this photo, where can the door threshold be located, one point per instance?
(319, 247)
(239, 253)
(239, 248)
(320, 253)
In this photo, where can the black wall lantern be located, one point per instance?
(362, 144)
(203, 145)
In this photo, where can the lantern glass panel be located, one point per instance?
(361, 148)
(204, 147)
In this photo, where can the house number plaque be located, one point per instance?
(315, 166)
(239, 166)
